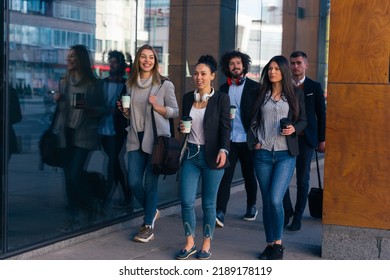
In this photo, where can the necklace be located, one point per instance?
(276, 96)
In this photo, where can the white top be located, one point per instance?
(197, 132)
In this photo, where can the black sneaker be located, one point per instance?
(295, 225)
(267, 253)
(287, 215)
(277, 253)
(220, 219)
(251, 213)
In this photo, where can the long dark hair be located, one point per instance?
(287, 86)
(84, 63)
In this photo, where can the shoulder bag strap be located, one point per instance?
(154, 126)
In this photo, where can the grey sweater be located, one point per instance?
(165, 94)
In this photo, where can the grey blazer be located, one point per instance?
(165, 94)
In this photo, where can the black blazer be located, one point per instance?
(249, 94)
(299, 125)
(315, 112)
(216, 124)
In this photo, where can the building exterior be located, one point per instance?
(38, 34)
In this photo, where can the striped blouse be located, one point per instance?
(269, 130)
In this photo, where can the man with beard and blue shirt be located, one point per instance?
(242, 92)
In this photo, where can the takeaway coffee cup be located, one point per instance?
(78, 100)
(284, 122)
(187, 122)
(233, 110)
(126, 101)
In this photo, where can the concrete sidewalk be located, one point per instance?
(238, 240)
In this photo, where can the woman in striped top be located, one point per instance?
(275, 147)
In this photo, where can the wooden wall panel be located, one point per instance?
(359, 41)
(357, 160)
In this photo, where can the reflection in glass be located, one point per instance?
(40, 35)
(259, 32)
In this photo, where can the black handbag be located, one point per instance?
(49, 149)
(166, 154)
(315, 196)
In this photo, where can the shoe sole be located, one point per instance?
(218, 223)
(289, 228)
(250, 219)
(205, 258)
(144, 240)
(186, 257)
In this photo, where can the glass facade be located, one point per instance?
(38, 34)
(259, 32)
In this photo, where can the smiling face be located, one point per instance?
(73, 61)
(203, 77)
(236, 67)
(114, 65)
(274, 73)
(146, 61)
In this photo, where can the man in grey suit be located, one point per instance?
(313, 137)
(242, 92)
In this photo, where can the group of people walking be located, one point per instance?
(239, 122)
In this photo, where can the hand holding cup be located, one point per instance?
(126, 101)
(185, 124)
(285, 124)
(233, 110)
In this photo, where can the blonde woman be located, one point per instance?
(148, 89)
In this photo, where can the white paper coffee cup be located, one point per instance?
(126, 101)
(187, 122)
(233, 110)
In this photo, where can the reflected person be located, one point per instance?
(113, 125)
(80, 107)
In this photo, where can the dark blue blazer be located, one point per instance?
(315, 112)
(249, 94)
(216, 124)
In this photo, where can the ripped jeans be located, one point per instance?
(193, 169)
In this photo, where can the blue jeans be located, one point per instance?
(143, 183)
(78, 192)
(195, 167)
(273, 171)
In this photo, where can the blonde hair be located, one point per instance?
(135, 72)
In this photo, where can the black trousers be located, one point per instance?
(238, 151)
